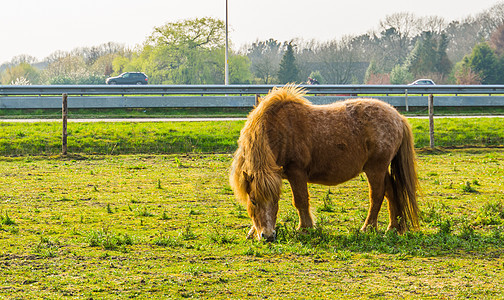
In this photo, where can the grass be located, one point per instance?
(204, 137)
(157, 219)
(125, 113)
(118, 235)
(206, 112)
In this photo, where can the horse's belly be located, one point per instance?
(332, 176)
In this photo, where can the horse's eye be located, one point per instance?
(253, 202)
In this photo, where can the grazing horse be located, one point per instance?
(286, 137)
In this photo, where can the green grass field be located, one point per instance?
(167, 226)
(144, 210)
(189, 112)
(203, 137)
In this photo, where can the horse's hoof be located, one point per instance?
(250, 234)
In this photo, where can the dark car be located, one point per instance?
(128, 78)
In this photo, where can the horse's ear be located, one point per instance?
(258, 100)
(248, 178)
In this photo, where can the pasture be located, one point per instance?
(203, 137)
(167, 226)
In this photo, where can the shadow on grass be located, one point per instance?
(444, 242)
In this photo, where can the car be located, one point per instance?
(128, 78)
(423, 82)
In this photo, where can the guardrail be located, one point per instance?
(147, 96)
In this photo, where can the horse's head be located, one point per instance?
(262, 205)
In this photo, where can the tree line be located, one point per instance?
(403, 48)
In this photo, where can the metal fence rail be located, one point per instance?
(104, 96)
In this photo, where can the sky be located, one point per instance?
(39, 28)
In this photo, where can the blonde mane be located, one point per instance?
(254, 156)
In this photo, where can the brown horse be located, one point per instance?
(286, 137)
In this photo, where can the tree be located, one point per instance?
(288, 71)
(394, 40)
(337, 61)
(192, 33)
(71, 70)
(401, 75)
(429, 56)
(265, 59)
(464, 75)
(484, 62)
(23, 72)
(497, 40)
(185, 52)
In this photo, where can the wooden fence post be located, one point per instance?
(65, 118)
(431, 121)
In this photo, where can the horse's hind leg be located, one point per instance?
(394, 206)
(376, 193)
(301, 200)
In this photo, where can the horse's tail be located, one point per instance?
(405, 181)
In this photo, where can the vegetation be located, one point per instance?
(404, 47)
(186, 52)
(167, 226)
(288, 71)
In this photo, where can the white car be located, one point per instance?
(423, 82)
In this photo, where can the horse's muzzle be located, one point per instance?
(269, 238)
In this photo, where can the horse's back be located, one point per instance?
(335, 142)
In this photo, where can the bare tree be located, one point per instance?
(491, 19)
(497, 40)
(23, 58)
(336, 61)
(406, 26)
(265, 59)
(433, 24)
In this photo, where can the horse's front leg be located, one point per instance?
(251, 233)
(298, 181)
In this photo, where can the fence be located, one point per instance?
(103, 96)
(45, 97)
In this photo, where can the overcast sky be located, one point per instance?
(38, 28)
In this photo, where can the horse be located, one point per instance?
(287, 137)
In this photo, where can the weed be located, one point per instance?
(343, 255)
(467, 188)
(144, 213)
(193, 212)
(445, 226)
(46, 247)
(253, 251)
(239, 211)
(109, 209)
(159, 184)
(432, 214)
(6, 220)
(108, 240)
(165, 216)
(167, 241)
(187, 233)
(491, 213)
(467, 231)
(178, 163)
(220, 235)
(328, 205)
